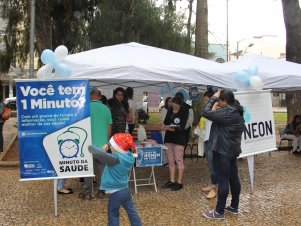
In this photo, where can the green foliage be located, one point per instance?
(82, 25)
(137, 21)
(55, 24)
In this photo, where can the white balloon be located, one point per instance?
(256, 83)
(45, 72)
(60, 52)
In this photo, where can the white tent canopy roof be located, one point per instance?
(139, 65)
(276, 74)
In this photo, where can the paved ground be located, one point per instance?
(276, 199)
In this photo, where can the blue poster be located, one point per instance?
(194, 93)
(54, 129)
(149, 156)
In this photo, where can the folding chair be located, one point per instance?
(289, 141)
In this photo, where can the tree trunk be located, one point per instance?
(292, 21)
(201, 47)
(188, 37)
(201, 32)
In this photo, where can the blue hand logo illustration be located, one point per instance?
(247, 115)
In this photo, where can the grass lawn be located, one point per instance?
(280, 117)
(154, 118)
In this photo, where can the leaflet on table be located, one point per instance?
(54, 129)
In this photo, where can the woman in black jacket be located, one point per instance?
(225, 142)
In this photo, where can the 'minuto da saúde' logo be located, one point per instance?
(256, 129)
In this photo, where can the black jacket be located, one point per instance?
(226, 130)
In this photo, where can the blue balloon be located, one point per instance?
(242, 76)
(62, 70)
(253, 70)
(248, 83)
(47, 57)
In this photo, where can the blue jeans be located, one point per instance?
(211, 166)
(227, 173)
(122, 198)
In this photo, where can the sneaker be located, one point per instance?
(212, 194)
(207, 189)
(177, 187)
(212, 214)
(84, 196)
(169, 184)
(231, 210)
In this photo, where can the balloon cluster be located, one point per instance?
(249, 78)
(52, 62)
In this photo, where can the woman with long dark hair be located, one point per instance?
(174, 125)
(225, 142)
(119, 107)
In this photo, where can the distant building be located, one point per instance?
(266, 45)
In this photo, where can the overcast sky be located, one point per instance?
(247, 18)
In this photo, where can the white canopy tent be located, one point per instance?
(276, 74)
(146, 67)
(139, 66)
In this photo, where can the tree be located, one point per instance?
(138, 21)
(292, 21)
(201, 32)
(56, 24)
(201, 45)
(82, 25)
(189, 27)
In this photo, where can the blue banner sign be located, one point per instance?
(149, 156)
(194, 93)
(54, 129)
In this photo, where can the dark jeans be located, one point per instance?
(211, 166)
(1, 136)
(122, 198)
(88, 181)
(227, 173)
